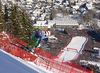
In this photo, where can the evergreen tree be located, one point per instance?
(27, 25)
(1, 18)
(6, 14)
(18, 24)
(21, 25)
(51, 18)
(13, 20)
(0, 7)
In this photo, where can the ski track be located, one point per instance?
(77, 42)
(12, 64)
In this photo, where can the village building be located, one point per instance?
(63, 22)
(30, 0)
(57, 22)
(42, 24)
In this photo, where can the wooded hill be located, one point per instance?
(16, 23)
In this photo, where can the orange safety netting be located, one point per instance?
(46, 61)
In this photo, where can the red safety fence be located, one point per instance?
(57, 67)
(4, 42)
(72, 49)
(46, 61)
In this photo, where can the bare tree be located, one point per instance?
(93, 23)
(64, 11)
(87, 17)
(53, 14)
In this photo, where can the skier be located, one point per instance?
(36, 38)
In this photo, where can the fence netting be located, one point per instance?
(44, 59)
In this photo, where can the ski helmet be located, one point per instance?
(47, 33)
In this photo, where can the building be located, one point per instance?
(98, 23)
(49, 1)
(60, 1)
(57, 22)
(63, 22)
(42, 24)
(30, 0)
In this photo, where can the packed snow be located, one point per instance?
(71, 52)
(12, 64)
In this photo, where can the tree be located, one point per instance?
(93, 23)
(1, 18)
(6, 14)
(0, 7)
(64, 11)
(12, 21)
(53, 14)
(18, 24)
(88, 19)
(51, 17)
(22, 24)
(27, 25)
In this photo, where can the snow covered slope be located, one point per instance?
(72, 51)
(12, 64)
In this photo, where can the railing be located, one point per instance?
(57, 67)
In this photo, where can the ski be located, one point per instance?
(19, 43)
(26, 49)
(15, 45)
(39, 57)
(20, 47)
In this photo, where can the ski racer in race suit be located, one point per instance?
(36, 38)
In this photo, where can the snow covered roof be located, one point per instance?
(98, 23)
(30, 0)
(48, 6)
(59, 15)
(76, 7)
(37, 11)
(42, 24)
(29, 3)
(64, 21)
(49, 0)
(89, 5)
(32, 18)
(9, 0)
(22, 0)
